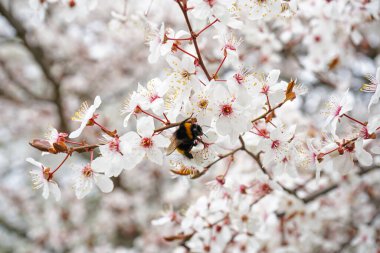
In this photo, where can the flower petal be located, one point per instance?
(362, 155)
(104, 183)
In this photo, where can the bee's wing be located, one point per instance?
(173, 145)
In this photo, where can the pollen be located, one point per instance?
(203, 103)
(79, 115)
(185, 75)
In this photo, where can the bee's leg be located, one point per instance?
(188, 154)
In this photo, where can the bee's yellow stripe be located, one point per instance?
(180, 151)
(188, 130)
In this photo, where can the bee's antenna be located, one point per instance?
(206, 126)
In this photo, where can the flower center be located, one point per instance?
(185, 75)
(265, 188)
(146, 142)
(152, 98)
(210, 2)
(239, 78)
(338, 109)
(87, 171)
(46, 173)
(265, 89)
(226, 110)
(275, 144)
(203, 103)
(114, 145)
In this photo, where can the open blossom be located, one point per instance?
(199, 105)
(114, 156)
(83, 115)
(145, 143)
(278, 146)
(153, 93)
(42, 178)
(229, 116)
(159, 45)
(179, 84)
(240, 84)
(132, 105)
(86, 176)
(336, 108)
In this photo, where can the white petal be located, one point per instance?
(45, 190)
(53, 187)
(101, 164)
(145, 126)
(373, 123)
(155, 155)
(362, 155)
(273, 76)
(223, 126)
(77, 132)
(104, 183)
(83, 186)
(34, 162)
(174, 62)
(97, 102)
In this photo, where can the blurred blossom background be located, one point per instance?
(54, 56)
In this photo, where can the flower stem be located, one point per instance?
(184, 51)
(206, 27)
(355, 120)
(220, 65)
(60, 165)
(153, 116)
(184, 10)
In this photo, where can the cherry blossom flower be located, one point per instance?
(159, 45)
(153, 93)
(83, 115)
(86, 176)
(145, 143)
(200, 105)
(114, 156)
(42, 178)
(133, 104)
(230, 118)
(277, 146)
(335, 108)
(240, 84)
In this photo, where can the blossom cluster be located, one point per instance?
(249, 143)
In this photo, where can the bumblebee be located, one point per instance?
(185, 138)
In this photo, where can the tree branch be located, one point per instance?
(41, 60)
(194, 38)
